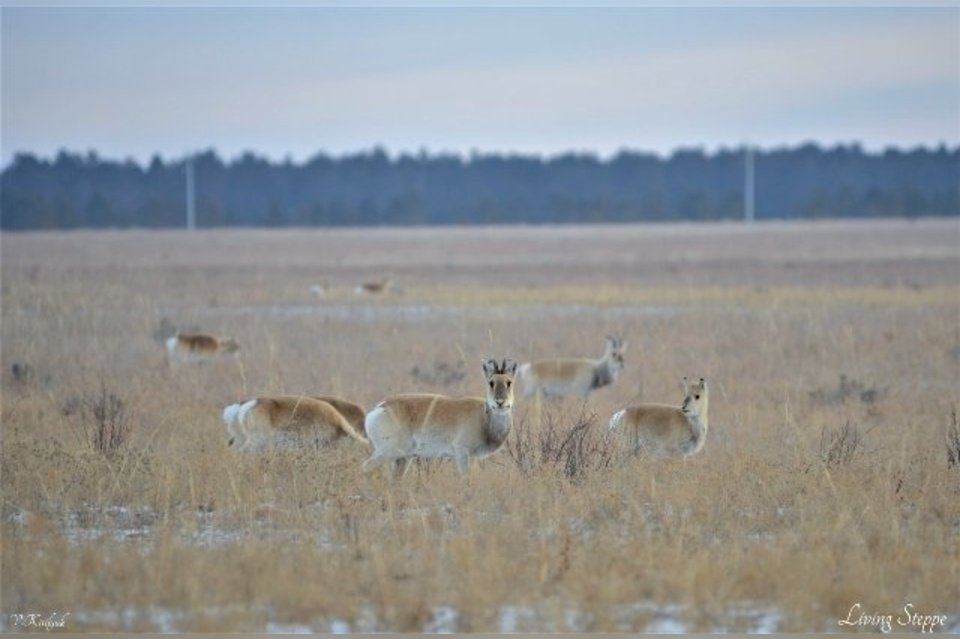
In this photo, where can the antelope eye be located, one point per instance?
(508, 383)
(491, 384)
(696, 397)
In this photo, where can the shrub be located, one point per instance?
(839, 445)
(953, 441)
(101, 420)
(573, 451)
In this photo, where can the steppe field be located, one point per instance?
(832, 350)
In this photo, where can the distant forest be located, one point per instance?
(372, 188)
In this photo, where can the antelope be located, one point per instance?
(573, 376)
(260, 422)
(374, 287)
(320, 290)
(436, 426)
(198, 347)
(667, 431)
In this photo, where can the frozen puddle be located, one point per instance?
(137, 526)
(420, 312)
(644, 617)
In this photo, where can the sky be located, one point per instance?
(290, 82)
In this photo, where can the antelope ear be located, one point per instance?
(489, 367)
(684, 386)
(510, 366)
(623, 346)
(703, 384)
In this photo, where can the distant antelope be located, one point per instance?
(185, 348)
(320, 290)
(573, 376)
(667, 431)
(374, 287)
(322, 420)
(432, 426)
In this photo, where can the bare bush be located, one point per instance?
(22, 372)
(574, 451)
(953, 440)
(847, 388)
(101, 420)
(441, 373)
(839, 445)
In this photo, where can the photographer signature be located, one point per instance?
(37, 620)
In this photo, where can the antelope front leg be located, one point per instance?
(400, 467)
(463, 461)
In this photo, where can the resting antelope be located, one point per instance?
(667, 431)
(322, 420)
(432, 426)
(374, 287)
(193, 348)
(573, 376)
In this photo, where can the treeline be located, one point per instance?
(372, 188)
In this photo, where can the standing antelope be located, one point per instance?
(322, 420)
(432, 426)
(667, 431)
(573, 376)
(183, 348)
(374, 287)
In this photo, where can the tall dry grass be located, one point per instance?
(825, 480)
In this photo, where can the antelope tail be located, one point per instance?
(616, 419)
(351, 430)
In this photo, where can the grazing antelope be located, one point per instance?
(432, 426)
(320, 290)
(374, 287)
(321, 420)
(573, 376)
(667, 431)
(185, 348)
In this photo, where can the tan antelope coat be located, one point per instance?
(573, 376)
(198, 347)
(293, 420)
(667, 431)
(436, 426)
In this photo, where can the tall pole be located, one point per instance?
(748, 191)
(191, 211)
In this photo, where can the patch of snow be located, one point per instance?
(577, 621)
(511, 618)
(339, 627)
(444, 621)
(276, 628)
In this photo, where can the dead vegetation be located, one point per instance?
(839, 446)
(845, 389)
(553, 443)
(952, 440)
(100, 420)
(123, 504)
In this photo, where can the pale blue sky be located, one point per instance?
(131, 82)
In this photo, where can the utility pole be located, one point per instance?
(748, 191)
(191, 211)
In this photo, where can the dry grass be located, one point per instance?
(122, 503)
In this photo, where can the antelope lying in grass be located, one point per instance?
(264, 421)
(199, 347)
(374, 287)
(432, 426)
(667, 431)
(573, 376)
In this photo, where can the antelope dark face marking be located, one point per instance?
(500, 382)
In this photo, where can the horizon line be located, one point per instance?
(475, 154)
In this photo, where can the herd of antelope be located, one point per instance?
(429, 426)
